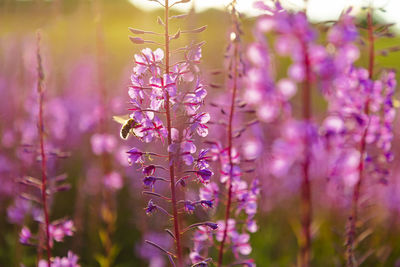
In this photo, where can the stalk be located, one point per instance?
(230, 137)
(170, 154)
(357, 189)
(306, 203)
(42, 151)
(108, 199)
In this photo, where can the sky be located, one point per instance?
(317, 9)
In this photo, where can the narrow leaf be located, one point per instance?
(198, 30)
(136, 40)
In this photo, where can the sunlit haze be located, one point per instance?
(317, 9)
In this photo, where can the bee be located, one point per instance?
(127, 126)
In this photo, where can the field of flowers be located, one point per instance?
(159, 138)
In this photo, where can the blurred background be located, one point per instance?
(87, 60)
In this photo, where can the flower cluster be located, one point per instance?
(165, 105)
(148, 99)
(356, 135)
(70, 261)
(244, 196)
(234, 186)
(58, 230)
(326, 66)
(362, 109)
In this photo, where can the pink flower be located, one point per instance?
(70, 261)
(240, 244)
(25, 235)
(221, 228)
(113, 181)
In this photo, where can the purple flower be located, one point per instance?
(193, 101)
(17, 212)
(59, 230)
(194, 54)
(103, 143)
(227, 172)
(188, 148)
(209, 191)
(113, 181)
(333, 125)
(202, 234)
(149, 170)
(204, 175)
(150, 207)
(199, 124)
(197, 259)
(135, 155)
(189, 206)
(157, 95)
(69, 227)
(25, 235)
(213, 226)
(221, 229)
(287, 88)
(70, 261)
(252, 149)
(251, 225)
(202, 238)
(148, 61)
(149, 181)
(240, 244)
(202, 160)
(344, 31)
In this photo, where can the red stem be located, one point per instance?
(357, 188)
(306, 203)
(170, 155)
(42, 151)
(230, 137)
(371, 45)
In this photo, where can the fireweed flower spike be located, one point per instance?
(358, 126)
(238, 194)
(299, 142)
(49, 232)
(359, 123)
(363, 120)
(229, 165)
(42, 152)
(166, 99)
(295, 37)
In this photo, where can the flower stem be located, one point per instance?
(306, 203)
(170, 155)
(108, 202)
(230, 138)
(350, 259)
(42, 151)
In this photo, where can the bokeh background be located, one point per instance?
(88, 58)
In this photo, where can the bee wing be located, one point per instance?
(121, 119)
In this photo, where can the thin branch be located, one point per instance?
(156, 194)
(160, 248)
